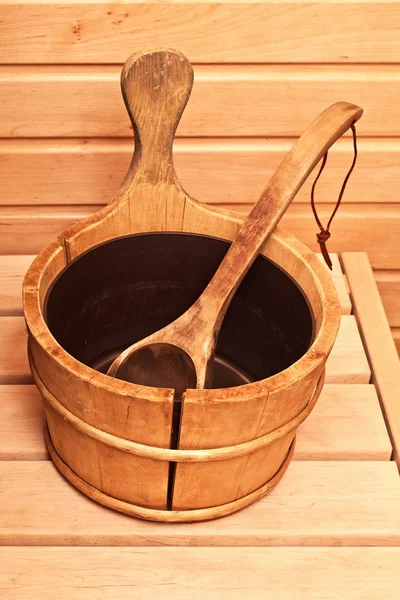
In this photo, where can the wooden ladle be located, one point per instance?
(180, 355)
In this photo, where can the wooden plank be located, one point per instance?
(346, 424)
(13, 268)
(14, 367)
(26, 230)
(315, 504)
(346, 364)
(90, 171)
(241, 31)
(388, 283)
(258, 100)
(21, 423)
(12, 271)
(215, 573)
(378, 341)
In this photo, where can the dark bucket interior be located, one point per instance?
(125, 289)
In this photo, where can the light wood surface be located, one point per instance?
(347, 363)
(14, 367)
(257, 100)
(12, 271)
(315, 504)
(378, 341)
(215, 573)
(357, 227)
(21, 423)
(388, 283)
(346, 424)
(76, 32)
(90, 171)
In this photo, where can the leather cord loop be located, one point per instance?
(324, 234)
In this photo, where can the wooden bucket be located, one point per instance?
(132, 268)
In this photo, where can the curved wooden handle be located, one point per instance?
(156, 86)
(274, 201)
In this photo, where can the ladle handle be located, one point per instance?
(274, 201)
(156, 86)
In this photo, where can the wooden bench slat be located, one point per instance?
(14, 267)
(346, 424)
(197, 573)
(378, 340)
(315, 504)
(21, 423)
(257, 100)
(346, 364)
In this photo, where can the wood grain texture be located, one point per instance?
(346, 424)
(12, 271)
(215, 573)
(26, 230)
(89, 171)
(257, 100)
(347, 363)
(315, 504)
(21, 423)
(244, 31)
(378, 341)
(388, 283)
(14, 366)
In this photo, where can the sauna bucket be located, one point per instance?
(136, 265)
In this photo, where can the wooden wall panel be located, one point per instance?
(257, 100)
(242, 31)
(89, 171)
(357, 227)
